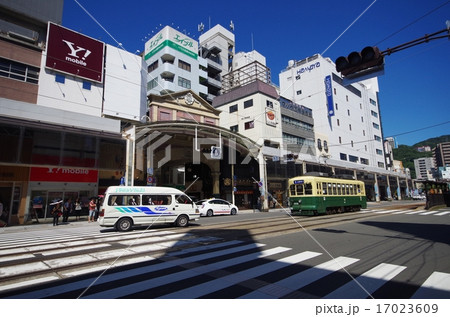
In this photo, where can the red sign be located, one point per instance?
(74, 53)
(63, 174)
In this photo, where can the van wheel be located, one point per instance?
(233, 211)
(182, 221)
(124, 224)
(209, 213)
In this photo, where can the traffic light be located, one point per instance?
(369, 59)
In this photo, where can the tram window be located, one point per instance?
(334, 189)
(339, 189)
(346, 189)
(324, 187)
(292, 188)
(308, 189)
(352, 192)
(299, 189)
(358, 187)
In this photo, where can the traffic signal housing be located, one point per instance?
(367, 61)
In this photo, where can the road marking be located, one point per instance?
(436, 286)
(299, 280)
(443, 213)
(429, 212)
(185, 274)
(370, 280)
(82, 284)
(232, 279)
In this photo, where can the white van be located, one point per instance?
(125, 206)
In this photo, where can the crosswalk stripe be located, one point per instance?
(370, 280)
(231, 279)
(429, 212)
(443, 213)
(299, 280)
(82, 284)
(166, 279)
(435, 287)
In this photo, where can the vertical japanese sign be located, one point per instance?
(329, 94)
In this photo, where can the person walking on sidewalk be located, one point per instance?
(92, 208)
(56, 212)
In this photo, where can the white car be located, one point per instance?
(216, 206)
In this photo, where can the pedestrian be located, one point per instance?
(56, 213)
(67, 210)
(78, 209)
(92, 208)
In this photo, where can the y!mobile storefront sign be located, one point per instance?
(73, 53)
(69, 175)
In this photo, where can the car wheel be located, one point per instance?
(124, 224)
(209, 213)
(182, 221)
(233, 211)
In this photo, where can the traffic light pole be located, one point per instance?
(424, 39)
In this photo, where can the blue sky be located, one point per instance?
(414, 91)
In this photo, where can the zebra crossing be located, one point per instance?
(419, 212)
(167, 264)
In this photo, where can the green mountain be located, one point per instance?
(407, 154)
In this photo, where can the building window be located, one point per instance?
(352, 143)
(340, 140)
(184, 65)
(377, 138)
(374, 114)
(376, 125)
(19, 71)
(152, 66)
(325, 145)
(86, 85)
(364, 161)
(249, 125)
(248, 103)
(234, 128)
(336, 106)
(362, 119)
(346, 97)
(353, 159)
(343, 157)
(350, 127)
(348, 112)
(233, 108)
(152, 84)
(337, 121)
(379, 152)
(334, 89)
(269, 104)
(372, 102)
(381, 164)
(60, 78)
(364, 132)
(319, 144)
(298, 92)
(183, 82)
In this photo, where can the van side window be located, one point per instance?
(183, 199)
(148, 200)
(123, 200)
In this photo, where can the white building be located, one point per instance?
(217, 46)
(346, 118)
(174, 64)
(424, 168)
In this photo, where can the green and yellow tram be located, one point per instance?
(310, 195)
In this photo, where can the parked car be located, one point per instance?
(419, 197)
(215, 206)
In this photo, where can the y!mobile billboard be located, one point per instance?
(73, 53)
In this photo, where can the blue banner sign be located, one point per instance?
(329, 94)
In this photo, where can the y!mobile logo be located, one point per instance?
(74, 53)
